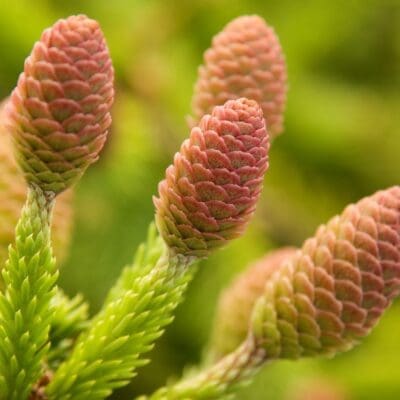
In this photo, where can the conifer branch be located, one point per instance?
(25, 311)
(70, 318)
(135, 314)
(220, 380)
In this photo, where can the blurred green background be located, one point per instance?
(341, 142)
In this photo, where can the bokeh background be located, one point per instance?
(341, 142)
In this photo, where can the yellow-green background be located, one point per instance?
(341, 142)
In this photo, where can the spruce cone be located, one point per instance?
(211, 190)
(13, 195)
(59, 113)
(245, 60)
(330, 294)
(237, 301)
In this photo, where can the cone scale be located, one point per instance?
(244, 60)
(59, 113)
(211, 190)
(13, 192)
(331, 293)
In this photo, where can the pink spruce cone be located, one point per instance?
(12, 198)
(237, 301)
(330, 294)
(59, 112)
(211, 190)
(245, 60)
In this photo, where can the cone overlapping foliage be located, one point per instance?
(245, 60)
(317, 300)
(211, 190)
(58, 116)
(59, 113)
(13, 191)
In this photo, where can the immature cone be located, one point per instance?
(329, 295)
(211, 190)
(13, 195)
(237, 301)
(245, 60)
(59, 113)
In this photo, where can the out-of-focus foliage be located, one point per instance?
(341, 142)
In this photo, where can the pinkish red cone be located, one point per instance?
(244, 60)
(332, 292)
(59, 112)
(211, 190)
(13, 190)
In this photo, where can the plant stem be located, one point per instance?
(25, 306)
(135, 314)
(218, 381)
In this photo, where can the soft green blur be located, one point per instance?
(341, 142)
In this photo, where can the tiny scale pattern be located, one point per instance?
(245, 60)
(318, 300)
(332, 292)
(13, 192)
(211, 190)
(59, 112)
